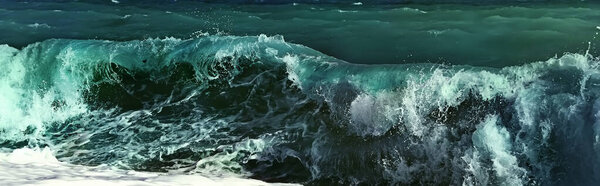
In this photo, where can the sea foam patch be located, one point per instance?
(39, 167)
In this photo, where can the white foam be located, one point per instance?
(596, 126)
(38, 25)
(476, 168)
(292, 66)
(39, 167)
(495, 140)
(374, 115)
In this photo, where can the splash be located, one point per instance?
(262, 108)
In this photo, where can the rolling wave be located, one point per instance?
(264, 108)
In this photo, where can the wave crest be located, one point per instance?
(276, 111)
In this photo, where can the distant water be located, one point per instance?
(317, 94)
(483, 35)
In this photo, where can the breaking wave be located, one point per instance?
(262, 108)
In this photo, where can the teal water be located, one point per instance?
(316, 94)
(481, 35)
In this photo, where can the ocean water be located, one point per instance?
(314, 93)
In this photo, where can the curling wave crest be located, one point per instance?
(262, 108)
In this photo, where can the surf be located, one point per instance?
(263, 108)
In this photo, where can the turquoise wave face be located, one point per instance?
(493, 35)
(263, 108)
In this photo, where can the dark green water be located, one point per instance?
(317, 94)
